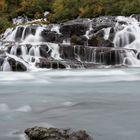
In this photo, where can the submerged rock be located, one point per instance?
(41, 133)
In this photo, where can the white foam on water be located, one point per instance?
(68, 104)
(25, 108)
(86, 73)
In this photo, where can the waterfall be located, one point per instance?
(27, 44)
(55, 50)
(34, 38)
(128, 33)
(6, 66)
(128, 36)
(13, 50)
(107, 33)
(87, 35)
(35, 51)
(24, 50)
(10, 34)
(26, 34)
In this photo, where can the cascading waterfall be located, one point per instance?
(6, 66)
(107, 32)
(34, 51)
(34, 38)
(55, 51)
(128, 36)
(26, 44)
(87, 35)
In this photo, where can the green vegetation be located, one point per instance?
(63, 10)
(4, 24)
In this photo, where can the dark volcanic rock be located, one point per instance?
(16, 66)
(99, 41)
(52, 36)
(50, 64)
(78, 40)
(40, 133)
(76, 27)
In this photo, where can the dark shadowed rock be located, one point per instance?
(50, 64)
(78, 40)
(16, 66)
(98, 40)
(76, 27)
(95, 41)
(40, 133)
(51, 36)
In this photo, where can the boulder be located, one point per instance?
(41, 133)
(16, 65)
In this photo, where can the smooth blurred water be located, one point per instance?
(105, 102)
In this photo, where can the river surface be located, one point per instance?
(104, 102)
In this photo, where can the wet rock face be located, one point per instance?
(51, 36)
(50, 64)
(78, 40)
(40, 133)
(69, 29)
(16, 66)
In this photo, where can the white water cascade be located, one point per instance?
(34, 38)
(6, 66)
(128, 36)
(27, 45)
